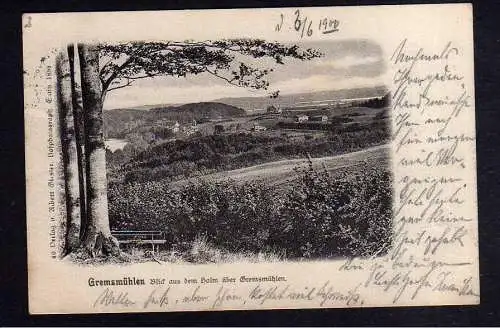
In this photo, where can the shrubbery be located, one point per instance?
(347, 215)
(320, 216)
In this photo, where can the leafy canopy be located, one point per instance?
(122, 64)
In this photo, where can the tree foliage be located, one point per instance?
(122, 64)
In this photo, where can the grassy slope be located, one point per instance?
(279, 172)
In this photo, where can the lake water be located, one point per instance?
(115, 144)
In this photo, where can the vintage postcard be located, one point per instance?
(250, 159)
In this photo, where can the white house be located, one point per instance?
(257, 127)
(274, 109)
(301, 118)
(319, 118)
(175, 128)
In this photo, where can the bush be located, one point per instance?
(349, 215)
(319, 216)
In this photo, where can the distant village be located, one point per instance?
(175, 127)
(193, 127)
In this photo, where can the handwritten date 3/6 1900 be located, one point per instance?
(306, 27)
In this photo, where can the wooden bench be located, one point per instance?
(153, 238)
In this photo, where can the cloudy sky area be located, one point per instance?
(345, 64)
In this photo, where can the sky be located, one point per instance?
(345, 64)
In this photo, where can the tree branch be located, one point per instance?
(140, 77)
(106, 83)
(120, 86)
(207, 44)
(113, 75)
(101, 71)
(222, 77)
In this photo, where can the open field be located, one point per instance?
(280, 172)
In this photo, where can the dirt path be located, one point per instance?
(276, 173)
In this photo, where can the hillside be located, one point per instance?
(201, 155)
(198, 111)
(119, 122)
(283, 171)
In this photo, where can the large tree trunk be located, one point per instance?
(69, 153)
(80, 136)
(97, 238)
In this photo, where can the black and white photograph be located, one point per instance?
(225, 150)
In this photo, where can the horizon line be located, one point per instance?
(137, 107)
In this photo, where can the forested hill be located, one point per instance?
(198, 111)
(119, 122)
(180, 159)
